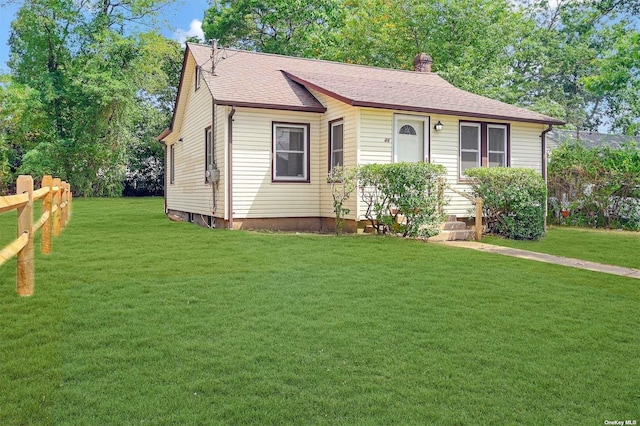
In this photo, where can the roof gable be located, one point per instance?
(262, 80)
(249, 79)
(428, 93)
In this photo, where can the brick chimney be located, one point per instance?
(422, 63)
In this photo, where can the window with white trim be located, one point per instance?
(336, 144)
(469, 146)
(198, 72)
(483, 145)
(496, 146)
(290, 152)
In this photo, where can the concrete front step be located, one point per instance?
(451, 230)
(454, 230)
(453, 226)
(454, 235)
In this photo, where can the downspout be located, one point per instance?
(230, 167)
(543, 136)
(164, 184)
(214, 175)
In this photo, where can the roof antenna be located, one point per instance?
(214, 48)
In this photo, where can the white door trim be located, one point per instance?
(426, 133)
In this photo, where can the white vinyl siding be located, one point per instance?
(376, 136)
(336, 110)
(526, 145)
(255, 195)
(189, 193)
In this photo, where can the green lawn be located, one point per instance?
(620, 248)
(138, 320)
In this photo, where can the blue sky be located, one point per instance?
(183, 19)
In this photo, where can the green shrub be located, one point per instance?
(5, 169)
(403, 198)
(595, 187)
(513, 200)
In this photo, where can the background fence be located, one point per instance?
(56, 199)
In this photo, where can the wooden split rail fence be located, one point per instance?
(56, 199)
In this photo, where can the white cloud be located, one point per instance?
(195, 30)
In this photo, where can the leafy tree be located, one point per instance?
(579, 59)
(145, 165)
(93, 83)
(23, 125)
(289, 27)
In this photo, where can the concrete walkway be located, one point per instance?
(548, 258)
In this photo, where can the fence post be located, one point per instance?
(478, 219)
(63, 199)
(67, 210)
(47, 206)
(56, 202)
(70, 200)
(26, 273)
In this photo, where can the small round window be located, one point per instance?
(407, 130)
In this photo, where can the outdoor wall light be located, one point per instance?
(438, 126)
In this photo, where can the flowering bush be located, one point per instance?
(513, 200)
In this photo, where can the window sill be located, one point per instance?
(290, 181)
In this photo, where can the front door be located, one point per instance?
(410, 140)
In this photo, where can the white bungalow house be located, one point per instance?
(253, 135)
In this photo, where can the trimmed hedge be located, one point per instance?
(513, 200)
(403, 198)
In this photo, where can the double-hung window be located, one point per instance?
(496, 145)
(290, 152)
(483, 145)
(469, 146)
(336, 144)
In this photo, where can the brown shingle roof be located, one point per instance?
(271, 81)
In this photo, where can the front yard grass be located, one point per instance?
(621, 248)
(136, 320)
